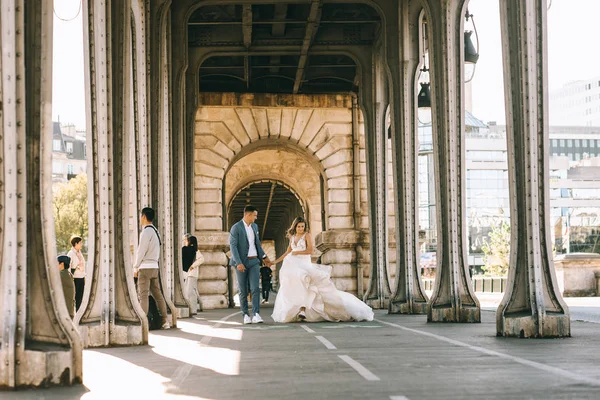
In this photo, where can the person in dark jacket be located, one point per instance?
(68, 286)
(188, 254)
(265, 276)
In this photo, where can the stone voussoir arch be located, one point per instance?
(225, 135)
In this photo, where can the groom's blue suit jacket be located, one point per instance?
(238, 243)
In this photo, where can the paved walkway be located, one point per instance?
(394, 357)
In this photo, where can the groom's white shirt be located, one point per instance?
(251, 240)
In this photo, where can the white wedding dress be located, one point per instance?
(304, 284)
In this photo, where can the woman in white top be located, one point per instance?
(306, 292)
(191, 281)
(77, 268)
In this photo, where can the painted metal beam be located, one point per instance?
(278, 28)
(273, 186)
(247, 24)
(314, 17)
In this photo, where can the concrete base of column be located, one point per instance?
(405, 307)
(524, 325)
(46, 367)
(94, 335)
(183, 312)
(378, 304)
(465, 314)
(212, 301)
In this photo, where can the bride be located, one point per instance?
(306, 292)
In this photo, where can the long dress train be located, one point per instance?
(304, 284)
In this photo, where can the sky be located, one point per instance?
(570, 57)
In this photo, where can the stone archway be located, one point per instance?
(313, 144)
(282, 165)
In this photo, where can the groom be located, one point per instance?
(246, 254)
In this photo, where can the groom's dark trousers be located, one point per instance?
(250, 275)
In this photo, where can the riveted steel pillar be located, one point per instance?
(532, 304)
(402, 59)
(40, 345)
(161, 161)
(178, 154)
(110, 312)
(374, 102)
(453, 299)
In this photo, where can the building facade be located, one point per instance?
(69, 157)
(574, 188)
(576, 104)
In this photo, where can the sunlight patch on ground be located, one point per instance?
(108, 376)
(226, 322)
(204, 330)
(218, 359)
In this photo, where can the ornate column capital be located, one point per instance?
(342, 239)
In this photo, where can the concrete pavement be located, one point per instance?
(395, 357)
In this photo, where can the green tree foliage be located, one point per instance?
(496, 250)
(70, 211)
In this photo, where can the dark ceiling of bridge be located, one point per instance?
(283, 48)
(274, 202)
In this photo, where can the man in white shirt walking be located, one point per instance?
(146, 266)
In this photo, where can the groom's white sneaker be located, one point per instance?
(257, 319)
(247, 319)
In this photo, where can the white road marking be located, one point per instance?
(181, 373)
(365, 373)
(519, 360)
(398, 398)
(307, 329)
(349, 326)
(264, 327)
(326, 342)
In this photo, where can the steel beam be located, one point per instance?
(110, 313)
(374, 106)
(402, 60)
(273, 185)
(309, 35)
(247, 25)
(453, 299)
(40, 344)
(278, 28)
(532, 304)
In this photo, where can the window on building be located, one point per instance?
(554, 143)
(69, 146)
(569, 143)
(577, 156)
(56, 145)
(577, 143)
(562, 142)
(70, 169)
(584, 143)
(592, 143)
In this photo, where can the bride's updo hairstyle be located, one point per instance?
(292, 231)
